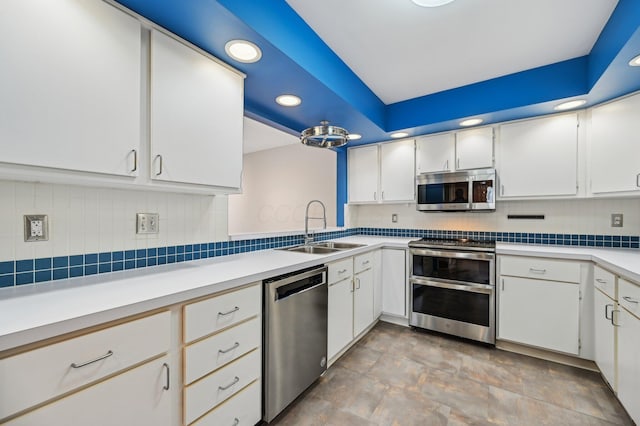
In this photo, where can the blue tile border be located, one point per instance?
(28, 271)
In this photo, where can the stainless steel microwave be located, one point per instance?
(469, 190)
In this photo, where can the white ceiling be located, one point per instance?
(258, 137)
(403, 51)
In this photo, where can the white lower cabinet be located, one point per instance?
(243, 409)
(539, 312)
(362, 301)
(394, 287)
(137, 397)
(604, 304)
(628, 321)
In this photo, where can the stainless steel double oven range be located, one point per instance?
(452, 287)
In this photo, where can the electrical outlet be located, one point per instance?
(616, 220)
(394, 218)
(36, 227)
(147, 223)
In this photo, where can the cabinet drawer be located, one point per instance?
(544, 269)
(362, 262)
(243, 409)
(340, 270)
(205, 394)
(605, 281)
(47, 372)
(629, 296)
(209, 354)
(211, 315)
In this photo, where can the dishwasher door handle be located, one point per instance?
(302, 289)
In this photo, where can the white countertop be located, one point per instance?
(35, 312)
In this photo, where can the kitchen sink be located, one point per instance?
(323, 247)
(312, 249)
(338, 245)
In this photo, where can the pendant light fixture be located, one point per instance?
(431, 3)
(324, 136)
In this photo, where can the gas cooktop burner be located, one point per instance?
(463, 243)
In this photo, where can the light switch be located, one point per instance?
(616, 220)
(147, 223)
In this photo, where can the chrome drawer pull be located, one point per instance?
(228, 312)
(601, 281)
(366, 262)
(107, 355)
(612, 320)
(166, 387)
(236, 380)
(538, 271)
(342, 271)
(606, 311)
(135, 160)
(236, 421)
(224, 351)
(630, 299)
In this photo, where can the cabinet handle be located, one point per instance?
(353, 285)
(135, 160)
(235, 380)
(224, 351)
(382, 195)
(236, 421)
(612, 321)
(458, 163)
(446, 165)
(358, 287)
(168, 383)
(606, 311)
(538, 271)
(159, 157)
(630, 299)
(502, 280)
(601, 281)
(342, 271)
(228, 312)
(107, 355)
(366, 262)
(375, 196)
(638, 180)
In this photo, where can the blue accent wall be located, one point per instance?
(342, 189)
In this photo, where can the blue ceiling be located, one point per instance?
(295, 60)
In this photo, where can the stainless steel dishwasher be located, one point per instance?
(295, 336)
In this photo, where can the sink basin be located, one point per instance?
(338, 245)
(312, 249)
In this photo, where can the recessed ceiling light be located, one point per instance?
(635, 62)
(288, 100)
(354, 136)
(471, 122)
(243, 51)
(570, 105)
(397, 135)
(431, 3)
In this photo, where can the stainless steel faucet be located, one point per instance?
(309, 238)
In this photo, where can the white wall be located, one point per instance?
(91, 220)
(278, 183)
(586, 216)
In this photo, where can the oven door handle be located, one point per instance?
(474, 288)
(453, 254)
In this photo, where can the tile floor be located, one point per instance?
(398, 376)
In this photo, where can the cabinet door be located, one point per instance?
(397, 171)
(363, 301)
(394, 282)
(539, 313)
(435, 153)
(70, 86)
(340, 316)
(539, 157)
(614, 147)
(604, 336)
(196, 116)
(137, 397)
(363, 174)
(474, 148)
(629, 363)
(377, 283)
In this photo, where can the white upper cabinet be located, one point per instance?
(70, 86)
(196, 116)
(474, 148)
(363, 174)
(539, 158)
(467, 149)
(382, 172)
(615, 151)
(397, 177)
(435, 153)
